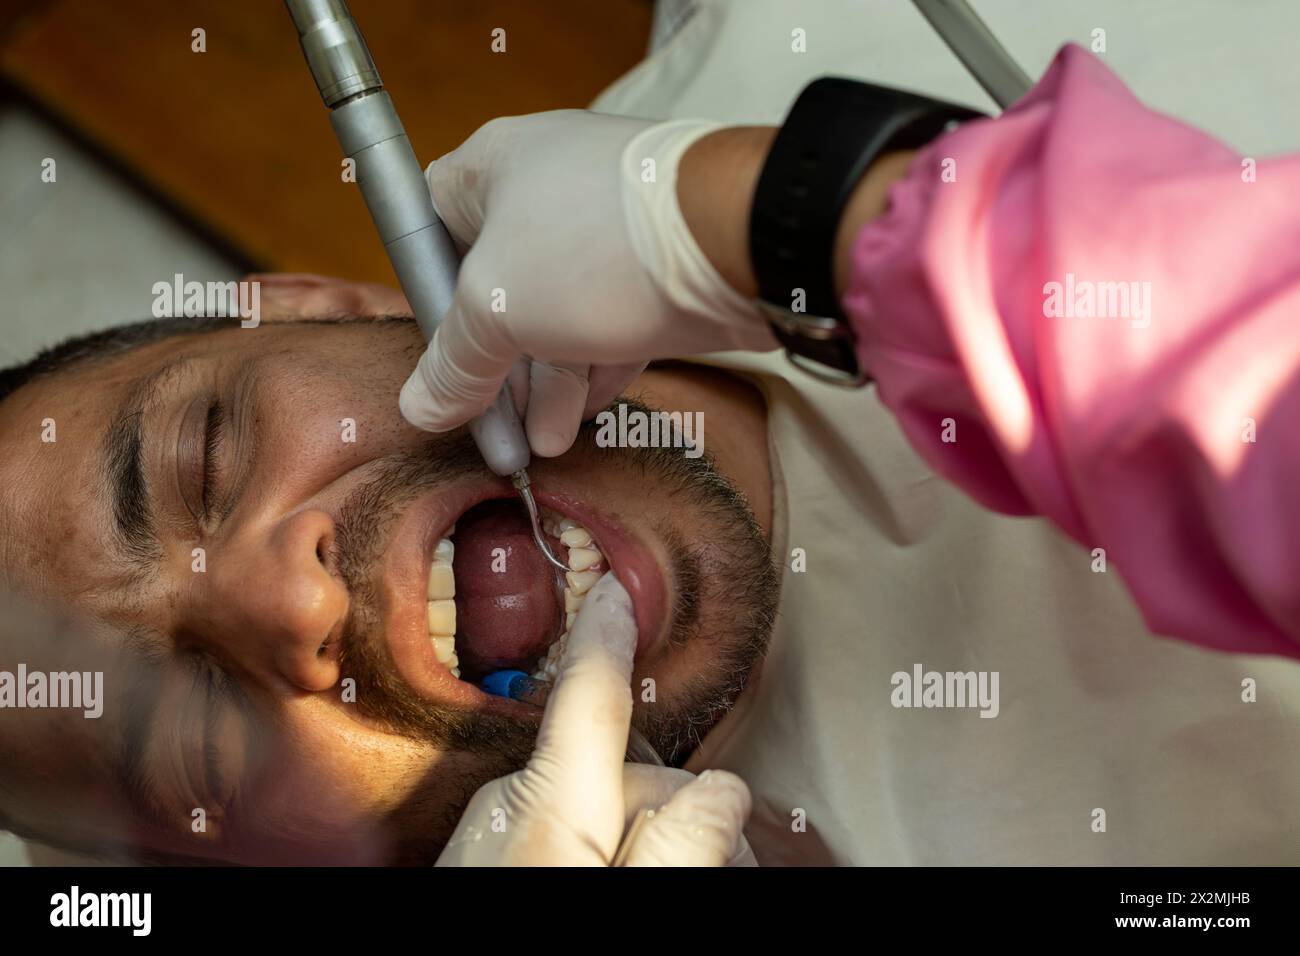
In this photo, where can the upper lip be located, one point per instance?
(406, 575)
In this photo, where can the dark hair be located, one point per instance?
(106, 343)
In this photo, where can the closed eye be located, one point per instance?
(216, 683)
(213, 434)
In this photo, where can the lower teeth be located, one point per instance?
(586, 564)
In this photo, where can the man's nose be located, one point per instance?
(291, 608)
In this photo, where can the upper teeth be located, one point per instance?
(576, 538)
(442, 607)
(584, 560)
(585, 563)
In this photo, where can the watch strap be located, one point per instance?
(834, 132)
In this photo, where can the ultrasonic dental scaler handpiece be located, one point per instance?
(397, 196)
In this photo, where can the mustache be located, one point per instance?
(368, 513)
(498, 745)
(362, 533)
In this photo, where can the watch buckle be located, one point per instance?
(792, 328)
(827, 373)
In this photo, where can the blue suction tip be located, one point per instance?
(500, 682)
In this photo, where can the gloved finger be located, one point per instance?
(647, 787)
(606, 382)
(556, 396)
(459, 182)
(461, 371)
(702, 824)
(583, 736)
(517, 379)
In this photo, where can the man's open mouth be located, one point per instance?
(467, 592)
(495, 603)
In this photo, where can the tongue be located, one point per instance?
(507, 611)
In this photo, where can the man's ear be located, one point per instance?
(286, 296)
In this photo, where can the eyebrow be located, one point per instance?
(128, 486)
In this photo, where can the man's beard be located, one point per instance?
(736, 573)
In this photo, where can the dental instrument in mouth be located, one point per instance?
(397, 196)
(494, 665)
(522, 485)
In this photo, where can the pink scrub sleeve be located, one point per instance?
(1090, 311)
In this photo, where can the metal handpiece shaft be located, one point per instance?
(977, 48)
(393, 185)
(372, 136)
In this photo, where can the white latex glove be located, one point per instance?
(571, 804)
(597, 268)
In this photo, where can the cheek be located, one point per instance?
(346, 769)
(324, 790)
(344, 405)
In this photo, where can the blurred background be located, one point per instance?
(223, 162)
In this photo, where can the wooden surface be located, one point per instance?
(237, 138)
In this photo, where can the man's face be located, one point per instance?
(260, 539)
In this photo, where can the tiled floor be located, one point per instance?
(77, 254)
(84, 251)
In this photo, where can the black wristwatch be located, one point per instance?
(833, 133)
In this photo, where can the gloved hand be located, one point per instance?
(577, 259)
(570, 805)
